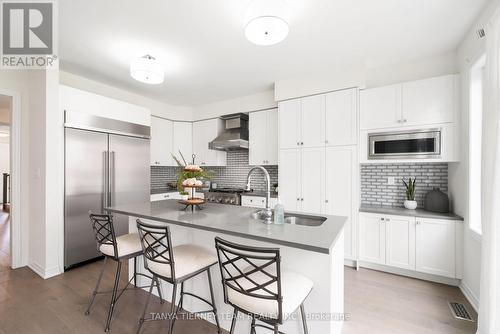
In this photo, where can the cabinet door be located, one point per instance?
(161, 142)
(380, 107)
(340, 163)
(435, 246)
(289, 179)
(400, 242)
(313, 120)
(313, 180)
(272, 137)
(289, 124)
(341, 118)
(257, 154)
(429, 101)
(203, 133)
(183, 140)
(372, 238)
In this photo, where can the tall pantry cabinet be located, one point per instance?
(318, 163)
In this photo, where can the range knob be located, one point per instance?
(232, 201)
(219, 200)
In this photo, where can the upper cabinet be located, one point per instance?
(416, 103)
(318, 121)
(183, 140)
(263, 137)
(203, 133)
(161, 141)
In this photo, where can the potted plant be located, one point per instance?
(410, 202)
(184, 195)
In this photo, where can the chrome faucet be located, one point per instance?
(268, 213)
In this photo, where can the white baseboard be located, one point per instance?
(350, 263)
(410, 273)
(42, 272)
(471, 296)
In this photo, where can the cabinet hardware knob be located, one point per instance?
(404, 120)
(418, 223)
(302, 200)
(387, 220)
(298, 143)
(301, 143)
(298, 199)
(326, 201)
(382, 218)
(326, 141)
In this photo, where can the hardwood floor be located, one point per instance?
(376, 302)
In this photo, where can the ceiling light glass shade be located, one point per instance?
(147, 70)
(4, 134)
(266, 22)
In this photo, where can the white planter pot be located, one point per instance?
(411, 205)
(184, 197)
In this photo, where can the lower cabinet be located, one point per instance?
(420, 244)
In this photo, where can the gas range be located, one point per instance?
(230, 196)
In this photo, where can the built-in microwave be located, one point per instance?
(410, 144)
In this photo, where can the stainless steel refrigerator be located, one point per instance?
(107, 163)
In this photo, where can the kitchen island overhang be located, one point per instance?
(313, 251)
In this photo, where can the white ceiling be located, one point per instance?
(207, 57)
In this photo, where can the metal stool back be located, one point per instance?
(157, 246)
(239, 265)
(104, 232)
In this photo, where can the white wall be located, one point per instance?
(468, 52)
(254, 102)
(181, 113)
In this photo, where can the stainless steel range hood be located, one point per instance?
(235, 134)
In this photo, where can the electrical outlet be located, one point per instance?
(391, 181)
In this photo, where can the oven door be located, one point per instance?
(412, 144)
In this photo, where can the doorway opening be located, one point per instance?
(5, 172)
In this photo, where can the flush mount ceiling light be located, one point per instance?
(266, 22)
(147, 69)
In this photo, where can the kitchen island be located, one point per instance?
(313, 251)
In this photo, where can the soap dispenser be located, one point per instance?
(279, 213)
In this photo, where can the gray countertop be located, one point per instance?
(235, 220)
(412, 213)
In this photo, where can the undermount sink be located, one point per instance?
(302, 220)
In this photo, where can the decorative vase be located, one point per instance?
(437, 201)
(410, 205)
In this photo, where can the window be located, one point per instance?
(476, 94)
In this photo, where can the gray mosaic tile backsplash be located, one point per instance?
(233, 175)
(375, 189)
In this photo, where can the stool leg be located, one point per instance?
(141, 320)
(135, 271)
(214, 308)
(252, 326)
(304, 322)
(172, 309)
(158, 286)
(276, 331)
(113, 296)
(96, 290)
(181, 301)
(233, 321)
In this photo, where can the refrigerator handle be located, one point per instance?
(111, 177)
(104, 201)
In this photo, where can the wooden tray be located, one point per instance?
(192, 201)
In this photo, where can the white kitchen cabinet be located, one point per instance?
(400, 242)
(435, 246)
(257, 201)
(183, 140)
(161, 142)
(341, 191)
(263, 137)
(312, 180)
(380, 107)
(290, 179)
(429, 101)
(415, 103)
(312, 121)
(289, 123)
(203, 133)
(372, 238)
(341, 125)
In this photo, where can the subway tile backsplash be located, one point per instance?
(233, 175)
(375, 189)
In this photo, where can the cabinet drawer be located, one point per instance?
(161, 197)
(253, 201)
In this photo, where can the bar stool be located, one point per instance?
(119, 249)
(255, 285)
(174, 265)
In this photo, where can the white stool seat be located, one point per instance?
(294, 289)
(188, 260)
(126, 244)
